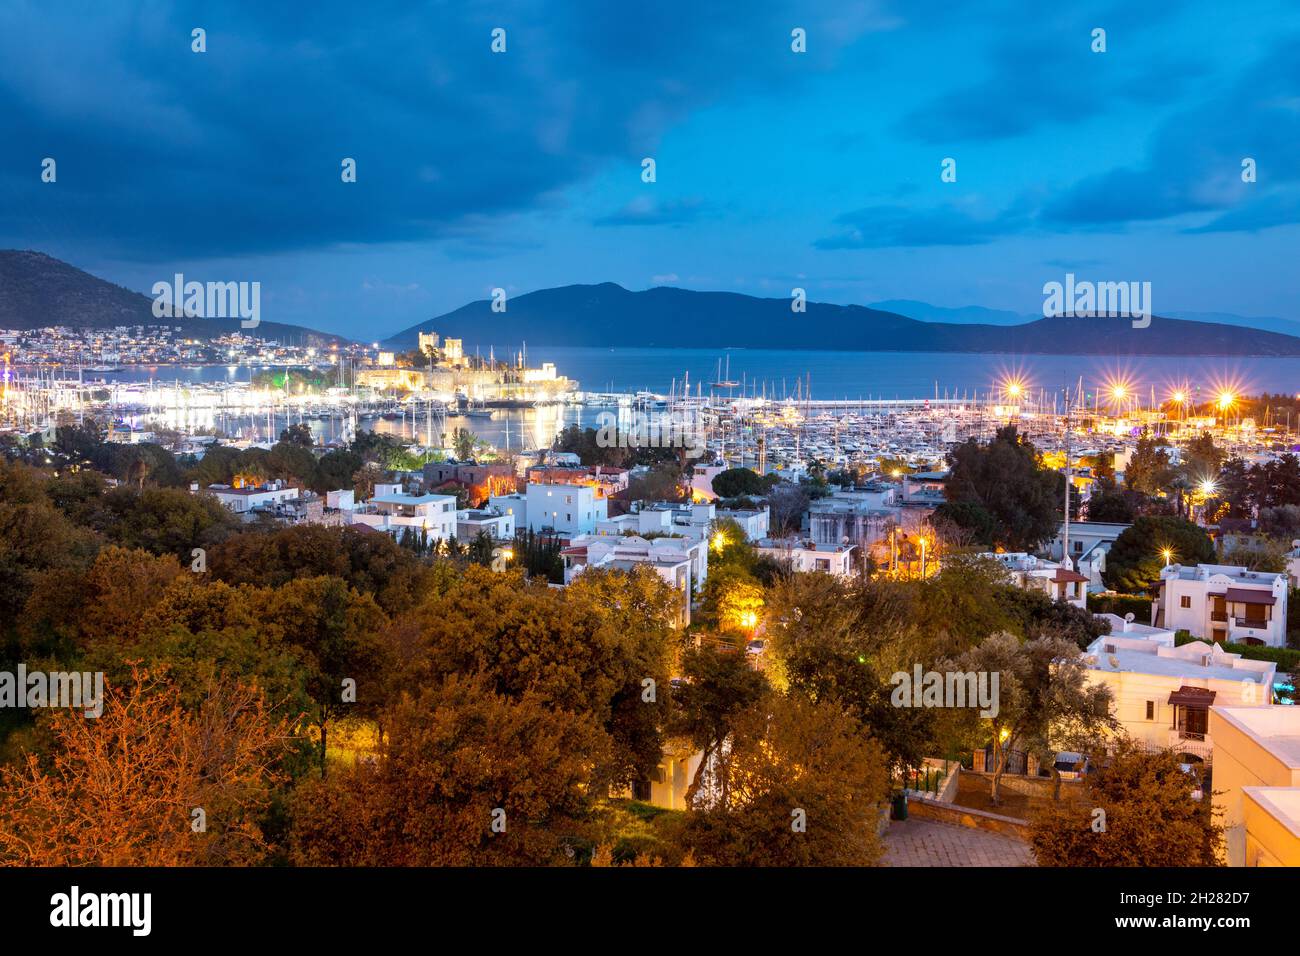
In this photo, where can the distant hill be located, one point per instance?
(967, 315)
(607, 315)
(37, 290)
(1270, 323)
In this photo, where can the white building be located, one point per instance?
(800, 555)
(755, 522)
(1162, 694)
(682, 562)
(515, 505)
(245, 499)
(564, 509)
(1223, 603)
(1257, 783)
(1090, 542)
(497, 526)
(1057, 581)
(394, 512)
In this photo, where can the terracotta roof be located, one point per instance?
(1249, 596)
(1063, 576)
(1192, 696)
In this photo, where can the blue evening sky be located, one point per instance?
(774, 169)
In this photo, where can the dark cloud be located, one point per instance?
(163, 151)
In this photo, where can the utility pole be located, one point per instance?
(1065, 535)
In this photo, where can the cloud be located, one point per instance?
(644, 211)
(166, 152)
(1193, 165)
(885, 226)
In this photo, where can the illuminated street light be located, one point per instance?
(1226, 400)
(1179, 397)
(1208, 487)
(1166, 553)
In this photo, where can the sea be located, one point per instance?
(837, 375)
(819, 374)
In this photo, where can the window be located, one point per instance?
(1078, 547)
(1185, 601)
(1151, 710)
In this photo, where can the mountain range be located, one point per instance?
(607, 315)
(38, 290)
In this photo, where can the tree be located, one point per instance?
(336, 632)
(787, 504)
(299, 434)
(1202, 459)
(718, 687)
(1134, 561)
(741, 481)
(1138, 810)
(1149, 470)
(122, 789)
(468, 777)
(1003, 480)
(799, 784)
(1042, 688)
(660, 483)
(466, 444)
(586, 650)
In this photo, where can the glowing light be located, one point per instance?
(508, 554)
(1208, 487)
(749, 619)
(1226, 400)
(719, 541)
(1118, 392)
(1179, 397)
(1166, 553)
(897, 473)
(1014, 389)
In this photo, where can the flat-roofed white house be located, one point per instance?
(681, 561)
(394, 512)
(801, 555)
(1257, 783)
(565, 509)
(1222, 602)
(471, 521)
(1058, 581)
(1162, 694)
(514, 504)
(248, 497)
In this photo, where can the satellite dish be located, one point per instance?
(1129, 617)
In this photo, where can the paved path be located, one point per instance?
(927, 843)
